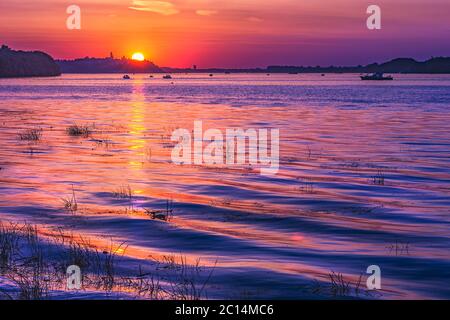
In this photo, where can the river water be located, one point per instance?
(364, 175)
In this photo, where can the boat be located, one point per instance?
(167, 76)
(376, 76)
(211, 75)
(126, 77)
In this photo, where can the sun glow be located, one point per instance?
(138, 56)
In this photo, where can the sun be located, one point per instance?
(138, 56)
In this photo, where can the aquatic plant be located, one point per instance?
(31, 135)
(71, 204)
(9, 246)
(378, 179)
(164, 215)
(186, 281)
(76, 130)
(339, 286)
(39, 271)
(35, 276)
(31, 283)
(103, 142)
(79, 253)
(123, 192)
(146, 285)
(30, 276)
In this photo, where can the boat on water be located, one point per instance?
(167, 76)
(126, 77)
(376, 76)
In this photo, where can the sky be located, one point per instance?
(231, 33)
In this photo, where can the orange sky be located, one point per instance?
(230, 33)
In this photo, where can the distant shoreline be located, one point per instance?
(25, 64)
(207, 72)
(35, 64)
(437, 65)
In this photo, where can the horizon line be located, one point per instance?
(261, 67)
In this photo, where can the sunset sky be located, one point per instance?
(231, 33)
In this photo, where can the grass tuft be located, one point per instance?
(76, 130)
(164, 215)
(9, 246)
(31, 135)
(378, 179)
(71, 204)
(123, 192)
(339, 286)
(37, 268)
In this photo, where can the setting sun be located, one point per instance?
(138, 56)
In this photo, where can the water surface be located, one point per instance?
(364, 175)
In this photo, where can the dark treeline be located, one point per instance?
(400, 65)
(26, 64)
(107, 65)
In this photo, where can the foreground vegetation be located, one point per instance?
(34, 268)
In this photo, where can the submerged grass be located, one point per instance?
(71, 203)
(186, 281)
(36, 268)
(76, 130)
(146, 285)
(26, 268)
(164, 215)
(378, 179)
(123, 192)
(9, 246)
(33, 135)
(339, 286)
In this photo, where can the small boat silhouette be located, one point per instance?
(167, 76)
(376, 76)
(126, 77)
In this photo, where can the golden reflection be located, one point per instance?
(136, 126)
